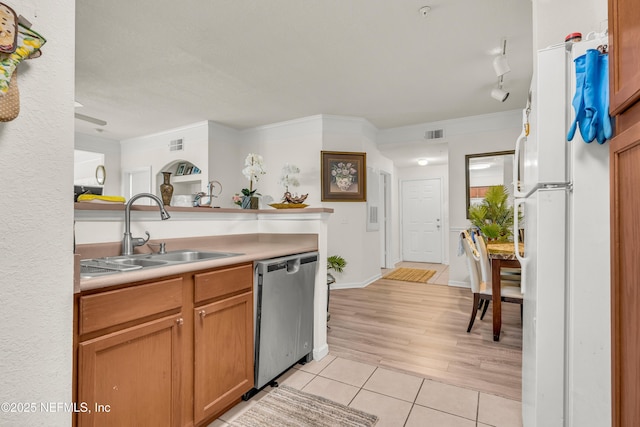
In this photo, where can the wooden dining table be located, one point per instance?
(502, 255)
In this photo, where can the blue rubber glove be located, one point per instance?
(578, 101)
(589, 126)
(605, 130)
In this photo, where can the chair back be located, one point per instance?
(485, 263)
(472, 261)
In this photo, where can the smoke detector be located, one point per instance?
(424, 11)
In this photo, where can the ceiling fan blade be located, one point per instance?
(90, 119)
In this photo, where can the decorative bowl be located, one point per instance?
(288, 205)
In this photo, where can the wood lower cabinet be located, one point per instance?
(223, 338)
(131, 377)
(170, 352)
(223, 332)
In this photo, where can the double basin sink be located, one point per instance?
(117, 264)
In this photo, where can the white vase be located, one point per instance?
(344, 182)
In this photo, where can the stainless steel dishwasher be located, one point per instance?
(284, 314)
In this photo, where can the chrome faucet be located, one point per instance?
(128, 242)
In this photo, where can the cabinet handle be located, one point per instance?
(180, 321)
(202, 314)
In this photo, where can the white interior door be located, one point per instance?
(422, 221)
(136, 181)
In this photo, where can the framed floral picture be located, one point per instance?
(343, 176)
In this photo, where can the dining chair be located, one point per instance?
(481, 289)
(510, 275)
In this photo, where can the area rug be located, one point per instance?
(410, 275)
(288, 407)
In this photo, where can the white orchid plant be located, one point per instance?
(288, 177)
(254, 168)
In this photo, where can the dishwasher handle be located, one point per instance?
(291, 263)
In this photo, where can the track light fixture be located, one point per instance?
(500, 63)
(498, 93)
(501, 67)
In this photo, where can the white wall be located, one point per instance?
(297, 142)
(225, 162)
(553, 20)
(300, 142)
(153, 151)
(348, 236)
(111, 150)
(36, 160)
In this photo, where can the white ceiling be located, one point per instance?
(149, 65)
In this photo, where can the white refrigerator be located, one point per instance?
(564, 194)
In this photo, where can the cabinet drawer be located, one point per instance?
(218, 283)
(112, 308)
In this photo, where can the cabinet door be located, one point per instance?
(223, 371)
(625, 269)
(624, 27)
(132, 377)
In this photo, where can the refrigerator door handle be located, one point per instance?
(516, 243)
(516, 161)
(516, 166)
(547, 185)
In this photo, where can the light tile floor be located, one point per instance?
(398, 399)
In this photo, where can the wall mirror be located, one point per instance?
(485, 170)
(101, 174)
(85, 168)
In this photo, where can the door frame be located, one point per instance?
(385, 232)
(127, 175)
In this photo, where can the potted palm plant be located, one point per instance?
(337, 264)
(494, 216)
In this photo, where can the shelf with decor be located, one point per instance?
(186, 178)
(186, 171)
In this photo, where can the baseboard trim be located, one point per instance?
(354, 285)
(320, 353)
(459, 284)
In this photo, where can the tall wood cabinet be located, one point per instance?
(169, 352)
(624, 71)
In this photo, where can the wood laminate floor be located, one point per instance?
(422, 329)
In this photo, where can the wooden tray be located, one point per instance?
(288, 205)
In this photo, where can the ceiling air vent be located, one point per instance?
(434, 134)
(176, 145)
